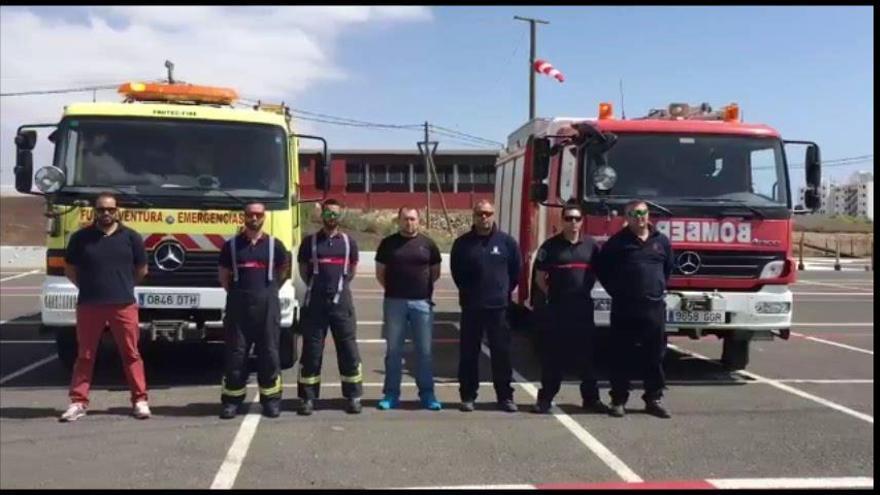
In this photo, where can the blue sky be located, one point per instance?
(807, 71)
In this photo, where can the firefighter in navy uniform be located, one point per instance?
(327, 261)
(565, 274)
(253, 265)
(634, 266)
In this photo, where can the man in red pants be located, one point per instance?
(105, 261)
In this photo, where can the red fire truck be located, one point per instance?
(717, 187)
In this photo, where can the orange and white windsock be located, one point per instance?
(544, 67)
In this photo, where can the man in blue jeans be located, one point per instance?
(407, 265)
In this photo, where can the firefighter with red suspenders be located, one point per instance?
(253, 265)
(327, 261)
(565, 273)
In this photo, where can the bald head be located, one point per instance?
(484, 216)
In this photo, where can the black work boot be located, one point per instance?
(655, 408)
(306, 407)
(272, 409)
(617, 410)
(507, 405)
(543, 406)
(229, 411)
(594, 406)
(354, 406)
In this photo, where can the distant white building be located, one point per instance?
(854, 198)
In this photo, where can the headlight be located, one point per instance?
(604, 178)
(773, 307)
(49, 179)
(773, 269)
(602, 304)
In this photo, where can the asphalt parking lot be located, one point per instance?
(801, 415)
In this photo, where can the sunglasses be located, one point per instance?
(638, 213)
(330, 214)
(572, 219)
(255, 214)
(484, 214)
(112, 209)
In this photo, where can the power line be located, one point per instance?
(464, 134)
(59, 91)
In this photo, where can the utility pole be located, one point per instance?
(427, 153)
(531, 61)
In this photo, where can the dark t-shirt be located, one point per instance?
(331, 261)
(408, 262)
(569, 266)
(105, 264)
(253, 261)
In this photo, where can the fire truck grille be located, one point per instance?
(724, 264)
(199, 269)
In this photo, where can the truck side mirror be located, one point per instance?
(813, 165)
(540, 159)
(539, 192)
(322, 173)
(24, 160)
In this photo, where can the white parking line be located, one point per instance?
(786, 388)
(835, 324)
(605, 383)
(826, 284)
(835, 344)
(27, 368)
(865, 294)
(225, 477)
(793, 483)
(20, 275)
(589, 441)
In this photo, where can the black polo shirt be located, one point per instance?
(633, 270)
(253, 261)
(569, 266)
(331, 261)
(408, 262)
(105, 264)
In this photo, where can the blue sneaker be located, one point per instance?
(388, 402)
(431, 403)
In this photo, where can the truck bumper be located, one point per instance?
(767, 309)
(58, 305)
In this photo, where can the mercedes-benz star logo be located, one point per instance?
(688, 262)
(169, 256)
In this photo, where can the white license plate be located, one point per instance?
(168, 300)
(678, 316)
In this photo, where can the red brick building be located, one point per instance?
(371, 179)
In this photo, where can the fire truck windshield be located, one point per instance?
(174, 157)
(666, 167)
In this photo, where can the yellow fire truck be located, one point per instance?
(182, 160)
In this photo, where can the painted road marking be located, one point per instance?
(836, 324)
(826, 284)
(835, 344)
(20, 275)
(27, 368)
(865, 294)
(225, 478)
(784, 387)
(589, 441)
(718, 483)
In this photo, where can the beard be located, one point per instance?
(253, 225)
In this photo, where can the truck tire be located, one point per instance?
(735, 353)
(66, 346)
(287, 348)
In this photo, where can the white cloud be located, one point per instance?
(272, 53)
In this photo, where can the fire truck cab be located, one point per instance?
(717, 187)
(183, 160)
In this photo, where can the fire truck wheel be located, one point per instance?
(735, 353)
(65, 343)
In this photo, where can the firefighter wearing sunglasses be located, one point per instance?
(564, 272)
(634, 266)
(253, 266)
(327, 261)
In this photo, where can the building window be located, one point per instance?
(389, 178)
(355, 180)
